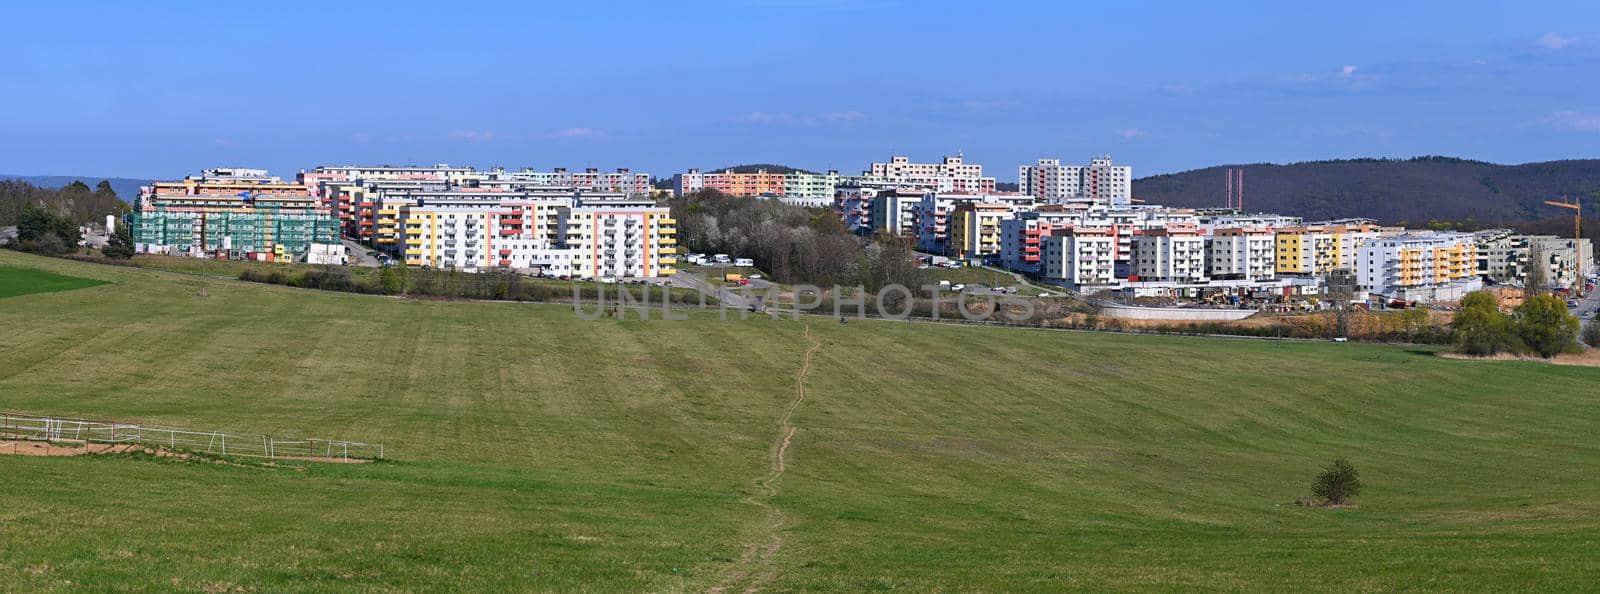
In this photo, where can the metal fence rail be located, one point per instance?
(37, 428)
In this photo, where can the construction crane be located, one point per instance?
(1576, 205)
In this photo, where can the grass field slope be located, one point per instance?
(532, 450)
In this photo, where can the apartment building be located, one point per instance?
(975, 229)
(1100, 181)
(1106, 183)
(894, 212)
(1307, 251)
(802, 184)
(549, 231)
(1241, 253)
(477, 233)
(757, 183)
(1081, 257)
(1505, 257)
(1175, 254)
(1419, 266)
(439, 173)
(853, 203)
(1022, 236)
(591, 179)
(233, 213)
(932, 215)
(952, 174)
(620, 238)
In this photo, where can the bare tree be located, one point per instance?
(1536, 270)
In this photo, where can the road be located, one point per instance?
(730, 295)
(358, 254)
(1586, 308)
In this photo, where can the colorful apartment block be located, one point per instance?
(975, 229)
(234, 213)
(1419, 266)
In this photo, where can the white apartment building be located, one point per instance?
(1419, 266)
(952, 174)
(1173, 254)
(441, 172)
(1082, 257)
(1051, 181)
(1105, 183)
(622, 180)
(1099, 182)
(854, 205)
(1245, 253)
(1022, 236)
(894, 212)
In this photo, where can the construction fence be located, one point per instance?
(52, 429)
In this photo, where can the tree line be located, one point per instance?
(76, 201)
(793, 244)
(1540, 326)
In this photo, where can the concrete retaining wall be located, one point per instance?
(1130, 312)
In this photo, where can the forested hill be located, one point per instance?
(1391, 190)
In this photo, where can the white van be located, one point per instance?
(720, 258)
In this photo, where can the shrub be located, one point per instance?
(1591, 333)
(1480, 328)
(1545, 327)
(1338, 482)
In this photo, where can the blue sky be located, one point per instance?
(161, 89)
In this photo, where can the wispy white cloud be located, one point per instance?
(1575, 121)
(764, 117)
(578, 132)
(1554, 41)
(472, 135)
(989, 104)
(1129, 133)
(1347, 77)
(843, 116)
(220, 141)
(783, 118)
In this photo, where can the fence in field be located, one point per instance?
(37, 428)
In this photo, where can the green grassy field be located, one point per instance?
(27, 281)
(533, 450)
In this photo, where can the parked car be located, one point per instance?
(610, 280)
(744, 262)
